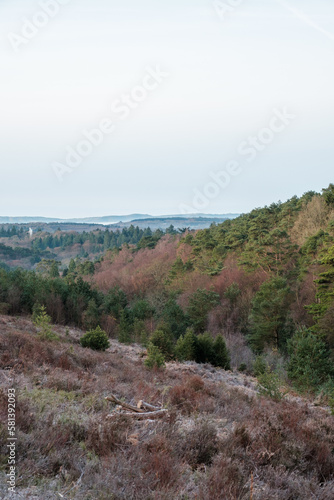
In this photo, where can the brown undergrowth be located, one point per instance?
(215, 437)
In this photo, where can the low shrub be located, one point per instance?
(259, 366)
(95, 339)
(310, 363)
(163, 339)
(199, 445)
(269, 385)
(155, 358)
(43, 324)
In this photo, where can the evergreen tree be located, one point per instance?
(124, 334)
(163, 339)
(200, 304)
(91, 315)
(186, 346)
(309, 363)
(221, 354)
(205, 352)
(269, 315)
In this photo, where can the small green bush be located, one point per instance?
(155, 358)
(269, 385)
(221, 355)
(331, 402)
(203, 349)
(310, 364)
(185, 348)
(205, 352)
(259, 366)
(43, 324)
(95, 339)
(163, 339)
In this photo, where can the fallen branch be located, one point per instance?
(115, 400)
(140, 416)
(142, 411)
(147, 406)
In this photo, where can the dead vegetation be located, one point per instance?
(217, 439)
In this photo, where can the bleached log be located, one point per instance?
(140, 416)
(115, 400)
(147, 406)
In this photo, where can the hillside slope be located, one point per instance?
(219, 439)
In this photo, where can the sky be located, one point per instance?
(214, 107)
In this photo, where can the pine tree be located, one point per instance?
(162, 338)
(221, 354)
(186, 346)
(269, 315)
(124, 334)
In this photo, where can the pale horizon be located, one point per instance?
(225, 78)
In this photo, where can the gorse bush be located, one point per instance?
(95, 339)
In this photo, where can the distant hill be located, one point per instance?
(111, 219)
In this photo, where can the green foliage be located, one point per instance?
(205, 348)
(259, 239)
(179, 268)
(232, 293)
(149, 239)
(331, 402)
(141, 309)
(259, 366)
(95, 339)
(221, 354)
(155, 358)
(269, 385)
(43, 324)
(97, 241)
(242, 367)
(37, 311)
(91, 315)
(186, 346)
(314, 242)
(325, 326)
(326, 392)
(140, 333)
(124, 331)
(269, 315)
(175, 318)
(325, 286)
(328, 195)
(310, 364)
(49, 267)
(115, 301)
(163, 339)
(200, 304)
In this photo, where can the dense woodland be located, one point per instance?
(263, 281)
(228, 330)
(19, 249)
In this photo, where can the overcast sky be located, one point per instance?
(229, 77)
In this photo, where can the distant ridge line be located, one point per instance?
(110, 219)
